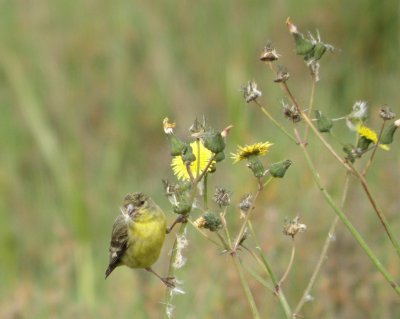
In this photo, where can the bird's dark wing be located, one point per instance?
(118, 243)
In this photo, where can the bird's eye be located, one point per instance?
(141, 203)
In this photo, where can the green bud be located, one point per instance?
(215, 143)
(303, 46)
(324, 124)
(187, 154)
(212, 222)
(351, 151)
(219, 156)
(256, 166)
(279, 169)
(182, 208)
(176, 145)
(363, 143)
(387, 136)
(319, 51)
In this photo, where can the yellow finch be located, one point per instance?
(137, 235)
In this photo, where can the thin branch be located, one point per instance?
(246, 219)
(289, 266)
(367, 166)
(324, 251)
(357, 236)
(310, 105)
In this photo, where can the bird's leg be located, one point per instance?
(168, 281)
(179, 219)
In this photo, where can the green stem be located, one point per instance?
(281, 296)
(357, 236)
(246, 218)
(349, 167)
(379, 213)
(205, 191)
(310, 106)
(246, 287)
(275, 122)
(312, 126)
(258, 278)
(289, 265)
(180, 232)
(324, 251)
(206, 236)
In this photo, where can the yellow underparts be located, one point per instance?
(145, 241)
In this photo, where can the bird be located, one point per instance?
(138, 235)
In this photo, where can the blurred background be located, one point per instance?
(84, 87)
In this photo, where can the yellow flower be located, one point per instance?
(366, 132)
(245, 152)
(203, 156)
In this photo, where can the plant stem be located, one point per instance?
(275, 122)
(281, 296)
(324, 251)
(289, 265)
(310, 105)
(246, 218)
(351, 168)
(245, 287)
(181, 230)
(312, 126)
(206, 236)
(379, 213)
(257, 277)
(357, 236)
(205, 192)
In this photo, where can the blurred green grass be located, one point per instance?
(84, 87)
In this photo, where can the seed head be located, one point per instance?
(292, 227)
(222, 196)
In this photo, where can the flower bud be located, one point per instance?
(182, 208)
(319, 51)
(324, 124)
(215, 143)
(387, 136)
(187, 154)
(219, 157)
(363, 143)
(279, 169)
(176, 146)
(303, 46)
(256, 166)
(209, 221)
(352, 152)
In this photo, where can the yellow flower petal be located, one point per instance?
(246, 151)
(203, 156)
(366, 132)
